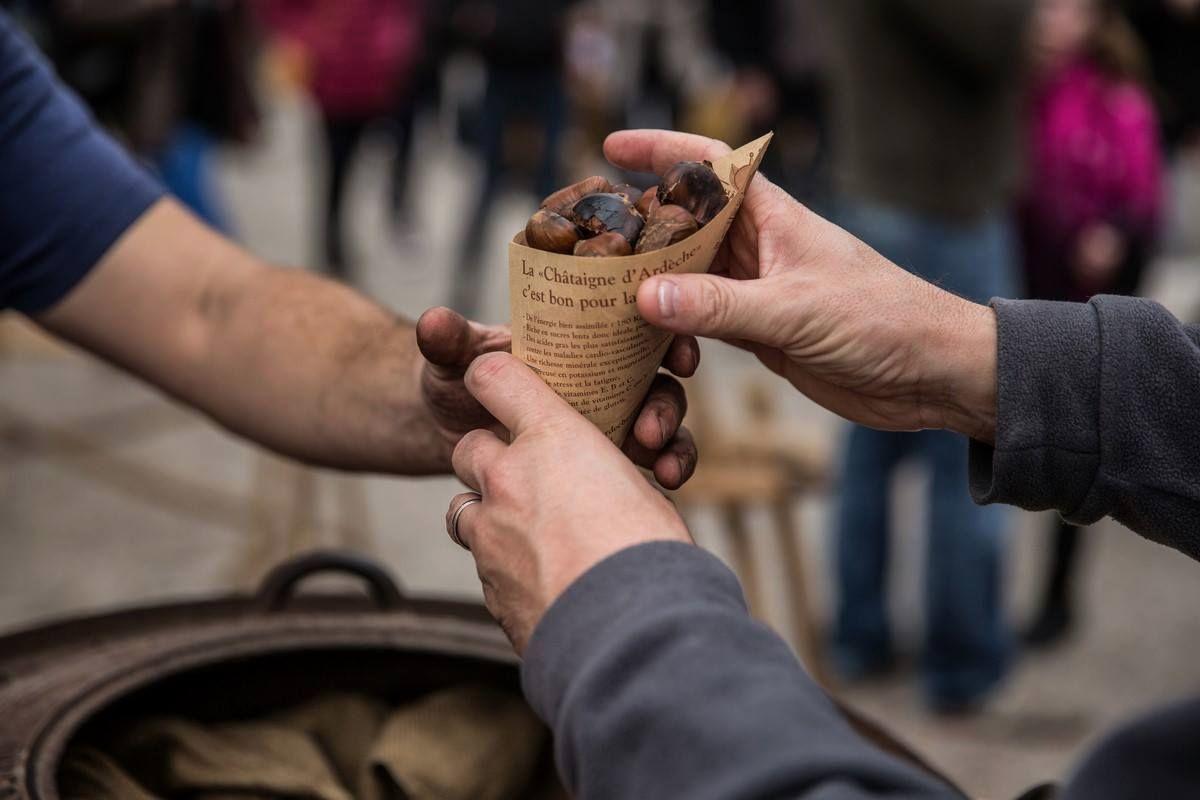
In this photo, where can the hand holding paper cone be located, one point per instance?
(575, 319)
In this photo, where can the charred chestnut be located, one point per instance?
(562, 200)
(666, 226)
(606, 244)
(552, 232)
(627, 190)
(695, 186)
(648, 202)
(605, 212)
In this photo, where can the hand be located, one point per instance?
(450, 343)
(848, 328)
(556, 501)
(1099, 251)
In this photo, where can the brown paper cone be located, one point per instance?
(575, 320)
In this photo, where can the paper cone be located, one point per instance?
(575, 320)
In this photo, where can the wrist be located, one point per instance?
(969, 375)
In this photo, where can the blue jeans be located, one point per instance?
(967, 645)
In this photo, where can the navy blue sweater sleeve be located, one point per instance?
(67, 191)
(1098, 414)
(657, 683)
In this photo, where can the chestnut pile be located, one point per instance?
(596, 218)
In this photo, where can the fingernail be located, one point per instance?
(668, 296)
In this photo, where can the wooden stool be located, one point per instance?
(762, 466)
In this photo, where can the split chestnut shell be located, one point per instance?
(695, 186)
(605, 212)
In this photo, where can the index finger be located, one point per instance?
(657, 151)
(513, 393)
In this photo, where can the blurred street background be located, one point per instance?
(112, 495)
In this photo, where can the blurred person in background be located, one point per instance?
(172, 77)
(1170, 30)
(523, 108)
(1092, 200)
(925, 122)
(360, 59)
(636, 64)
(665, 58)
(775, 52)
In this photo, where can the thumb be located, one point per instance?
(712, 306)
(450, 342)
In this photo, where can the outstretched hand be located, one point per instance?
(450, 343)
(844, 325)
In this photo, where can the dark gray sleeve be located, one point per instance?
(1098, 415)
(657, 683)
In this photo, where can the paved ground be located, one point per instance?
(111, 495)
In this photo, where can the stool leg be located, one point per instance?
(302, 526)
(807, 642)
(353, 527)
(742, 554)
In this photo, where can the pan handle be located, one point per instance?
(279, 587)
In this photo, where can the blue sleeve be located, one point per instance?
(67, 190)
(657, 683)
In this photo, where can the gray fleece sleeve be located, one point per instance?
(658, 684)
(1098, 414)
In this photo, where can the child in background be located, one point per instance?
(359, 58)
(1092, 200)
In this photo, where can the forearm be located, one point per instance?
(657, 683)
(316, 371)
(295, 362)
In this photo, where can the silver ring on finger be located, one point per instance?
(454, 534)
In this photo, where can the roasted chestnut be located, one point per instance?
(648, 202)
(562, 200)
(628, 191)
(603, 212)
(552, 232)
(606, 244)
(666, 226)
(695, 186)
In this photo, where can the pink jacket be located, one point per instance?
(1093, 153)
(364, 51)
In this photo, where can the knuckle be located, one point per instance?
(716, 304)
(470, 442)
(717, 149)
(464, 452)
(502, 483)
(489, 369)
(563, 427)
